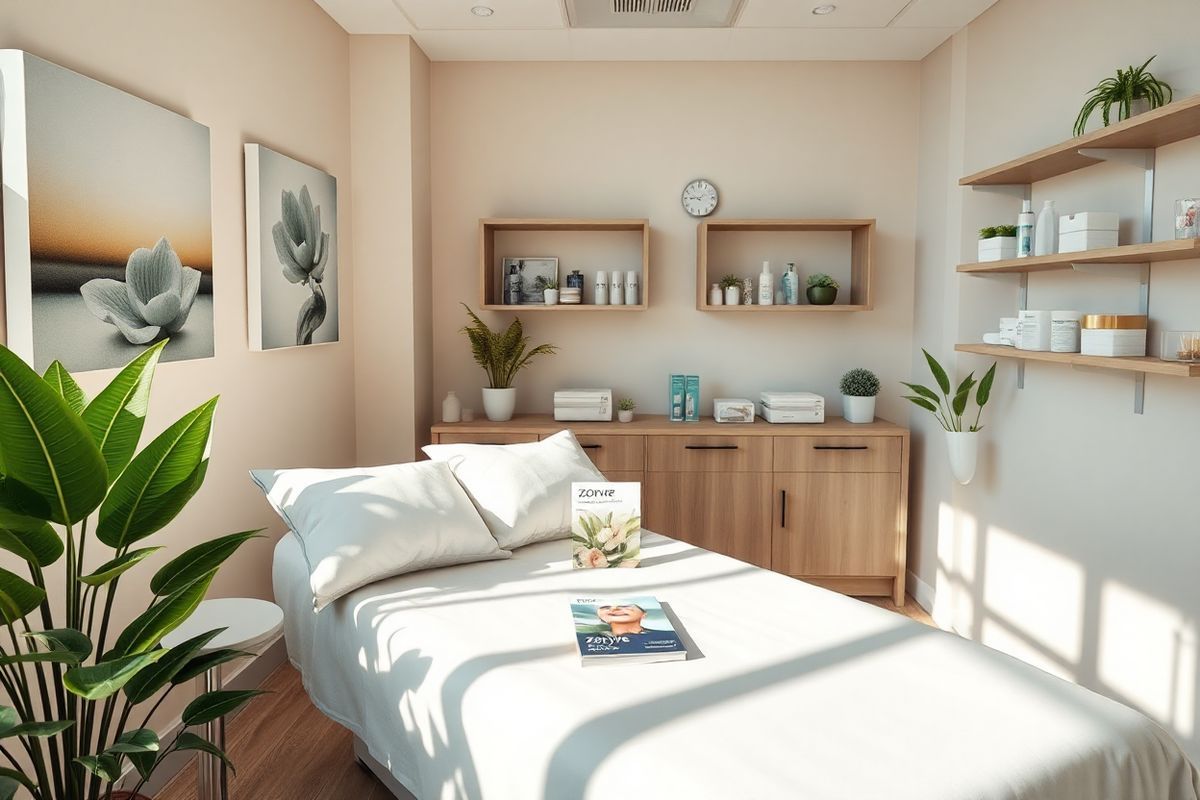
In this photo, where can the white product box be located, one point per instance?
(1113, 342)
(729, 409)
(812, 415)
(1087, 230)
(792, 407)
(998, 248)
(583, 405)
(1033, 330)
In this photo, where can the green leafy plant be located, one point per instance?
(1130, 84)
(948, 409)
(988, 233)
(1006, 230)
(820, 279)
(626, 404)
(501, 355)
(731, 281)
(549, 283)
(860, 382)
(75, 491)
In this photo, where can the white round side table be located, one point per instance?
(250, 625)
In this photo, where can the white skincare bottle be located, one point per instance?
(1045, 234)
(791, 284)
(766, 286)
(1025, 230)
(631, 288)
(616, 289)
(600, 298)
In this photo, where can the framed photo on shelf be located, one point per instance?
(523, 280)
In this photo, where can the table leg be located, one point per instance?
(211, 780)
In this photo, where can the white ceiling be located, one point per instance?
(765, 30)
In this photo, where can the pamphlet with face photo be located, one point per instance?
(625, 629)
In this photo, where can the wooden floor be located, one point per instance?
(285, 749)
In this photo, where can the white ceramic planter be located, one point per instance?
(498, 404)
(624, 415)
(858, 409)
(733, 295)
(997, 248)
(550, 296)
(963, 447)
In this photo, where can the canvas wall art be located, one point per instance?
(291, 251)
(107, 221)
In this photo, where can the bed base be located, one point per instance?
(381, 773)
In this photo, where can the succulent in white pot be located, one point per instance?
(962, 438)
(859, 387)
(625, 409)
(732, 285)
(550, 292)
(501, 355)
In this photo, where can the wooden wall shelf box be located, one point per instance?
(824, 503)
(862, 236)
(489, 267)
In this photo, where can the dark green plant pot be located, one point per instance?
(822, 295)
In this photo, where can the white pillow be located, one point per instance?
(522, 491)
(357, 526)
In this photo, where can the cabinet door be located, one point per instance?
(836, 524)
(727, 513)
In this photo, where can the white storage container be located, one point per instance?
(733, 409)
(1033, 330)
(1114, 335)
(1087, 230)
(998, 248)
(1064, 331)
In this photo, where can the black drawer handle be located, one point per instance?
(590, 446)
(783, 508)
(710, 447)
(840, 447)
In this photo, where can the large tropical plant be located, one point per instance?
(77, 495)
(501, 355)
(1135, 83)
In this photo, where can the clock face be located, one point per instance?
(699, 198)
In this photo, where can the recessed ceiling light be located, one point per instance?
(821, 11)
(482, 11)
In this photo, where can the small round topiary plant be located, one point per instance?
(860, 382)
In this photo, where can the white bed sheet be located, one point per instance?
(464, 682)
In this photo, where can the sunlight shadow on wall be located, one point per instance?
(954, 602)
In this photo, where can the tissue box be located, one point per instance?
(728, 409)
(998, 248)
(1087, 230)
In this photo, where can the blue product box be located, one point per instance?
(691, 410)
(676, 388)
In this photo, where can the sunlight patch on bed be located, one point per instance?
(1147, 654)
(1037, 592)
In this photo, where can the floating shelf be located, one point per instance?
(862, 237)
(1175, 250)
(1147, 365)
(1170, 123)
(489, 266)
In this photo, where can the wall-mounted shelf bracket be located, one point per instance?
(1142, 159)
(1121, 271)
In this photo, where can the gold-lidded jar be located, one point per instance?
(1114, 322)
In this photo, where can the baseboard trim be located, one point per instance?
(920, 591)
(251, 675)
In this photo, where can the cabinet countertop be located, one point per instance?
(658, 425)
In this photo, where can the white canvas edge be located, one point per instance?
(14, 168)
(254, 251)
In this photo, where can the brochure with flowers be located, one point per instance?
(623, 629)
(606, 524)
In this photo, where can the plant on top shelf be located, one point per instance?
(549, 291)
(859, 387)
(997, 242)
(72, 680)
(732, 285)
(625, 409)
(1129, 86)
(822, 289)
(950, 408)
(997, 231)
(501, 356)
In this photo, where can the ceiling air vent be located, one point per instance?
(652, 13)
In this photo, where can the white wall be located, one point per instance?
(1075, 547)
(621, 140)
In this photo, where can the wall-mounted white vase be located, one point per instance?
(499, 404)
(858, 409)
(963, 447)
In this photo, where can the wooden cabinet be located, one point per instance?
(727, 513)
(823, 503)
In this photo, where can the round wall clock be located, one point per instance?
(699, 198)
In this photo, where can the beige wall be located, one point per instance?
(389, 99)
(1075, 547)
(273, 72)
(621, 140)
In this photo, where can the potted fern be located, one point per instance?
(950, 409)
(501, 356)
(78, 497)
(1132, 91)
(859, 387)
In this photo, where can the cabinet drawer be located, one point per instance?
(838, 453)
(607, 452)
(623, 476)
(486, 438)
(708, 454)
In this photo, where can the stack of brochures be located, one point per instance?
(624, 629)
